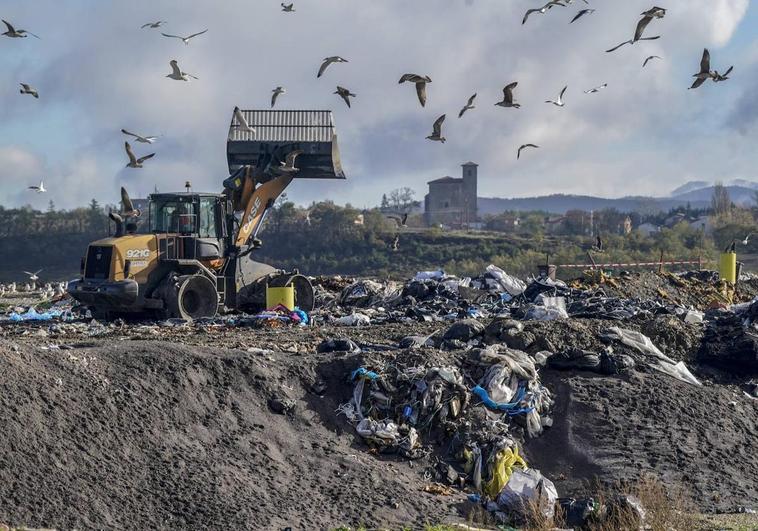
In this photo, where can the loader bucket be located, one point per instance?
(280, 132)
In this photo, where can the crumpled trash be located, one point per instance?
(382, 432)
(575, 358)
(550, 309)
(525, 489)
(501, 468)
(576, 513)
(354, 319)
(464, 330)
(33, 315)
(509, 284)
(340, 344)
(281, 406)
(430, 275)
(660, 361)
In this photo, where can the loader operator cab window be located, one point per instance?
(173, 216)
(209, 227)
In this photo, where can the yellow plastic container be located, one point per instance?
(728, 267)
(284, 296)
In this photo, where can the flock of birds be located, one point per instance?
(419, 81)
(46, 291)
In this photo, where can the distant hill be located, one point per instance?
(696, 193)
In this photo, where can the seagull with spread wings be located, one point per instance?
(345, 94)
(508, 96)
(153, 25)
(185, 40)
(559, 102)
(542, 10)
(275, 94)
(437, 130)
(288, 8)
(140, 138)
(241, 122)
(469, 105)
(647, 17)
(330, 60)
(524, 146)
(28, 89)
(135, 162)
(650, 58)
(420, 82)
(581, 14)
(177, 74)
(16, 34)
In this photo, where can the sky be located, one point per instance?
(97, 71)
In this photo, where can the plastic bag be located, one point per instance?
(525, 488)
(430, 275)
(355, 319)
(661, 362)
(507, 283)
(502, 470)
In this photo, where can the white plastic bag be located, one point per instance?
(355, 319)
(525, 488)
(512, 285)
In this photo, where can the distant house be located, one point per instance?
(648, 229)
(452, 201)
(702, 223)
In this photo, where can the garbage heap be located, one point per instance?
(465, 418)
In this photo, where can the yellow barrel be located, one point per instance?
(728, 267)
(284, 296)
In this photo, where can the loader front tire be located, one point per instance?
(196, 298)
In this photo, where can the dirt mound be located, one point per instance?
(151, 435)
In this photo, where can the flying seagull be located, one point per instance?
(241, 122)
(185, 40)
(508, 96)
(143, 139)
(345, 94)
(16, 34)
(275, 94)
(542, 10)
(596, 89)
(647, 16)
(288, 8)
(437, 130)
(559, 102)
(722, 77)
(135, 162)
(127, 207)
(39, 189)
(650, 59)
(177, 74)
(288, 165)
(420, 82)
(34, 276)
(153, 25)
(747, 238)
(581, 14)
(469, 105)
(328, 61)
(28, 89)
(518, 155)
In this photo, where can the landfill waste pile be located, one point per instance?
(491, 400)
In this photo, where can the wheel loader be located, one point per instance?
(194, 255)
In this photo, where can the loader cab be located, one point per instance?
(189, 226)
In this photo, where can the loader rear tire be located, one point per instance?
(197, 298)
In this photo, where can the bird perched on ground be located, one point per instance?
(135, 162)
(288, 8)
(437, 130)
(288, 165)
(596, 89)
(420, 82)
(581, 14)
(153, 25)
(747, 238)
(647, 16)
(185, 40)
(559, 102)
(328, 61)
(16, 34)
(469, 105)
(542, 10)
(139, 138)
(28, 89)
(345, 94)
(650, 59)
(177, 74)
(275, 94)
(39, 189)
(508, 96)
(241, 122)
(598, 247)
(518, 155)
